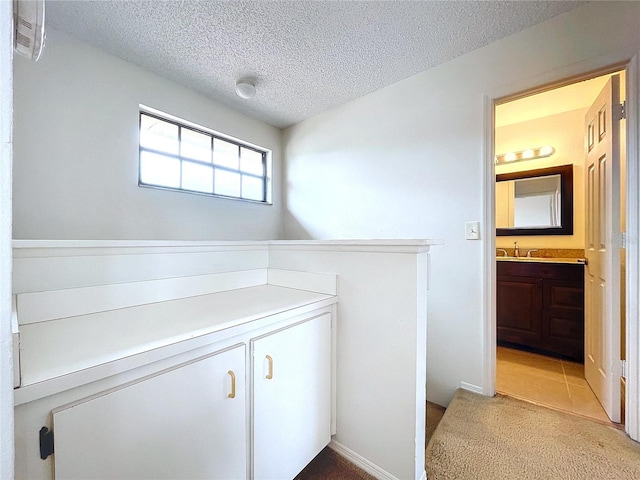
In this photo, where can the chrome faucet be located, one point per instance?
(529, 252)
(504, 252)
(516, 249)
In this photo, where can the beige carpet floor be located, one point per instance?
(503, 438)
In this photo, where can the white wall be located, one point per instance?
(407, 161)
(563, 131)
(381, 349)
(6, 363)
(76, 153)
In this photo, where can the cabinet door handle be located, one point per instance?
(270, 374)
(233, 384)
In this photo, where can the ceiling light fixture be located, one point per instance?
(528, 154)
(245, 88)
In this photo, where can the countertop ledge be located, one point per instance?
(50, 248)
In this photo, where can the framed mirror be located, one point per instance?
(535, 202)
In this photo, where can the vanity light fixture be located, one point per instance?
(528, 154)
(245, 88)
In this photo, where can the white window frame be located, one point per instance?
(265, 178)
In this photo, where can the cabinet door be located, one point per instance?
(183, 423)
(291, 398)
(519, 310)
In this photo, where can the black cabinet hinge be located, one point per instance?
(46, 442)
(620, 111)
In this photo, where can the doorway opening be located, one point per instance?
(540, 275)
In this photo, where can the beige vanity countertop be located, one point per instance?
(542, 260)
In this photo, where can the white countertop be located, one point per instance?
(55, 348)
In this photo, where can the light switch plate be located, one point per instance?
(472, 230)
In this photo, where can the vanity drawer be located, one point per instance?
(563, 294)
(563, 271)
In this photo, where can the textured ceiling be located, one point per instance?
(305, 56)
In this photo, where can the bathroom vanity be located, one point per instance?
(540, 305)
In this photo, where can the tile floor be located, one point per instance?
(547, 381)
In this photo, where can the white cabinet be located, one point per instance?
(188, 422)
(291, 397)
(161, 409)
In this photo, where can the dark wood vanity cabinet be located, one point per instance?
(540, 307)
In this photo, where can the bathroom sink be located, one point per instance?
(541, 259)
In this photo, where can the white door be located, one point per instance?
(291, 398)
(602, 273)
(186, 423)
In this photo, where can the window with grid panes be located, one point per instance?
(184, 158)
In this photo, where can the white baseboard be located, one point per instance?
(363, 463)
(471, 387)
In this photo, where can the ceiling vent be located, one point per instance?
(29, 26)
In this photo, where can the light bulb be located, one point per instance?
(546, 151)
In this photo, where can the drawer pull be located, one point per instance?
(233, 384)
(270, 374)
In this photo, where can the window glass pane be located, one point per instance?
(159, 170)
(159, 135)
(227, 183)
(225, 153)
(251, 161)
(252, 188)
(197, 177)
(185, 158)
(195, 145)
